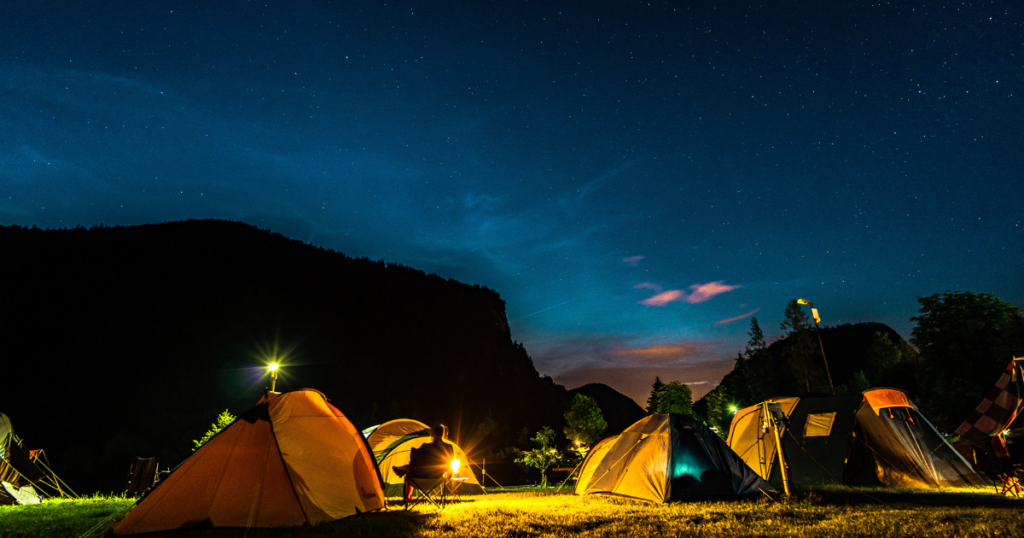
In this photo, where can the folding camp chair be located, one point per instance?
(143, 475)
(1009, 484)
(427, 488)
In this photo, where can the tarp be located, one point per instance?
(11, 494)
(666, 457)
(392, 443)
(998, 409)
(874, 438)
(292, 459)
(16, 464)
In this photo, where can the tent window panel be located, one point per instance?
(819, 425)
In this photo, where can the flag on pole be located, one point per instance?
(997, 411)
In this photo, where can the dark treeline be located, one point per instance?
(128, 341)
(961, 344)
(793, 366)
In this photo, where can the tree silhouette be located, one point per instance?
(674, 397)
(965, 340)
(652, 400)
(584, 421)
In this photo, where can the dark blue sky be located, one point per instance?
(635, 178)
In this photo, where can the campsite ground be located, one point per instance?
(822, 511)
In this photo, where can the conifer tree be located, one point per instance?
(652, 400)
(796, 319)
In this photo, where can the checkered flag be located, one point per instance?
(998, 409)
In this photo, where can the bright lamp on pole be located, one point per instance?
(817, 320)
(273, 367)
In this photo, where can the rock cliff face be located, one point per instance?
(128, 341)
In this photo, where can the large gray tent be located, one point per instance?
(876, 438)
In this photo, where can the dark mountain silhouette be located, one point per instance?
(128, 341)
(619, 410)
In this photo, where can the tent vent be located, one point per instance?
(819, 425)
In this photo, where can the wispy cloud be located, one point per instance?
(664, 298)
(703, 292)
(737, 318)
(648, 286)
(632, 261)
(663, 353)
(699, 294)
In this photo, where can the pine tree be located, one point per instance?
(796, 319)
(756, 345)
(756, 375)
(652, 400)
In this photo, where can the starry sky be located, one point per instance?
(636, 179)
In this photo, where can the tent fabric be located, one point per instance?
(292, 459)
(880, 399)
(11, 494)
(877, 438)
(666, 457)
(819, 425)
(746, 437)
(392, 443)
(17, 465)
(6, 430)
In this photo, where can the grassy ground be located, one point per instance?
(825, 512)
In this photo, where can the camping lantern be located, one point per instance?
(455, 467)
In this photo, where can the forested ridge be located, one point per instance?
(128, 341)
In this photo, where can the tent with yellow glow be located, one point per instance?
(292, 459)
(392, 443)
(876, 438)
(666, 457)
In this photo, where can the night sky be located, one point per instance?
(636, 179)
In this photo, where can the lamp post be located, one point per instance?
(273, 367)
(817, 320)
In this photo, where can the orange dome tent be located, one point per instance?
(291, 459)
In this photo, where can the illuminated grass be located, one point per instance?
(823, 511)
(61, 517)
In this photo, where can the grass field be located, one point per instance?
(824, 511)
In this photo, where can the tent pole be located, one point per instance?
(769, 422)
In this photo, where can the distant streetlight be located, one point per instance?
(273, 367)
(817, 320)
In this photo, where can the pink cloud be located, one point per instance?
(737, 318)
(660, 352)
(664, 298)
(703, 292)
(632, 260)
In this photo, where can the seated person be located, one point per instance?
(430, 460)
